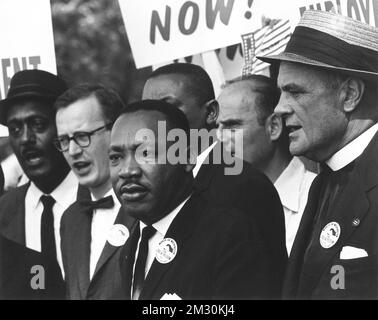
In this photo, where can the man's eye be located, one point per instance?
(294, 92)
(114, 158)
(82, 137)
(14, 130)
(38, 125)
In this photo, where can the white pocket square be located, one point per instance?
(348, 253)
(170, 296)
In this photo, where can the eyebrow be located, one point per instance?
(119, 148)
(291, 86)
(28, 118)
(231, 122)
(115, 148)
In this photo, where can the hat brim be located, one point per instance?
(292, 57)
(4, 104)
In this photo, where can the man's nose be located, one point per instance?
(283, 107)
(130, 168)
(73, 148)
(28, 135)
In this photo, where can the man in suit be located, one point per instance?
(189, 88)
(247, 105)
(183, 245)
(92, 231)
(328, 76)
(1, 180)
(30, 215)
(27, 274)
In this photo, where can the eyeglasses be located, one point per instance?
(81, 138)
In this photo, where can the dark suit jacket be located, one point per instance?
(76, 245)
(1, 181)
(254, 194)
(12, 214)
(311, 278)
(16, 263)
(219, 256)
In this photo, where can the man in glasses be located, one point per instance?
(92, 231)
(30, 215)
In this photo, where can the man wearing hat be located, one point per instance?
(30, 215)
(328, 77)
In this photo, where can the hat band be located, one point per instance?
(322, 47)
(17, 90)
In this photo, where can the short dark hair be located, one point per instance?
(109, 100)
(176, 118)
(199, 85)
(268, 95)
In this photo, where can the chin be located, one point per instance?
(297, 150)
(37, 173)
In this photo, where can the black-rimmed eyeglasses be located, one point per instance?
(81, 138)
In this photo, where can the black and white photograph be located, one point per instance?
(189, 150)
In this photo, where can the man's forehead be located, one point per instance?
(297, 73)
(237, 99)
(25, 109)
(82, 112)
(130, 123)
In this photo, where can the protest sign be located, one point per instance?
(365, 11)
(163, 30)
(27, 42)
(26, 37)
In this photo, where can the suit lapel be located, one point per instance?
(302, 239)
(352, 204)
(180, 229)
(15, 228)
(81, 246)
(109, 250)
(128, 257)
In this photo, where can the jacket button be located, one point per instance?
(356, 222)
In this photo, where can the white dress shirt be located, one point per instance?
(352, 150)
(161, 228)
(102, 222)
(64, 195)
(292, 186)
(201, 158)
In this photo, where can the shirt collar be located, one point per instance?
(288, 184)
(201, 158)
(109, 193)
(352, 150)
(163, 224)
(34, 195)
(62, 194)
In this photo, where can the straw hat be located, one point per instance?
(334, 42)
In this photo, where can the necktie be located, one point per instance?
(140, 265)
(47, 227)
(103, 203)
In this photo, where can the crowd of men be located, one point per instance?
(109, 211)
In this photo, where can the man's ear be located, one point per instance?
(274, 126)
(212, 111)
(353, 90)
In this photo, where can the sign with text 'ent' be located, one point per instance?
(164, 30)
(26, 39)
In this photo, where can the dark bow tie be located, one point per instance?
(103, 203)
